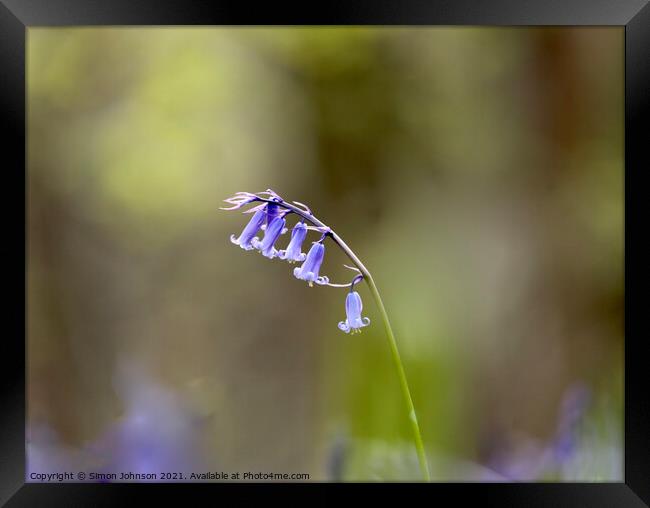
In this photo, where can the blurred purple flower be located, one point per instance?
(45, 453)
(516, 457)
(529, 461)
(156, 434)
(573, 407)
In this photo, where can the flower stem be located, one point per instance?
(419, 446)
(415, 427)
(422, 458)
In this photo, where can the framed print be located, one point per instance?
(388, 243)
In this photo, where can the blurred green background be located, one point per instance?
(477, 172)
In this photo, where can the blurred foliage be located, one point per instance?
(477, 172)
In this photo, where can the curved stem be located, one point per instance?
(422, 458)
(419, 446)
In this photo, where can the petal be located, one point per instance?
(252, 227)
(273, 231)
(361, 322)
(358, 302)
(270, 253)
(343, 325)
(353, 306)
(309, 260)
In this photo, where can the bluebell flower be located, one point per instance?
(293, 253)
(310, 268)
(248, 234)
(353, 308)
(270, 212)
(271, 235)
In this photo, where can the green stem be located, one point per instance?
(419, 446)
(422, 458)
(415, 427)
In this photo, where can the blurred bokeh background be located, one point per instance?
(477, 172)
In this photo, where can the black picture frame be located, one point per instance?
(16, 16)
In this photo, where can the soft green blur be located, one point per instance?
(477, 172)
